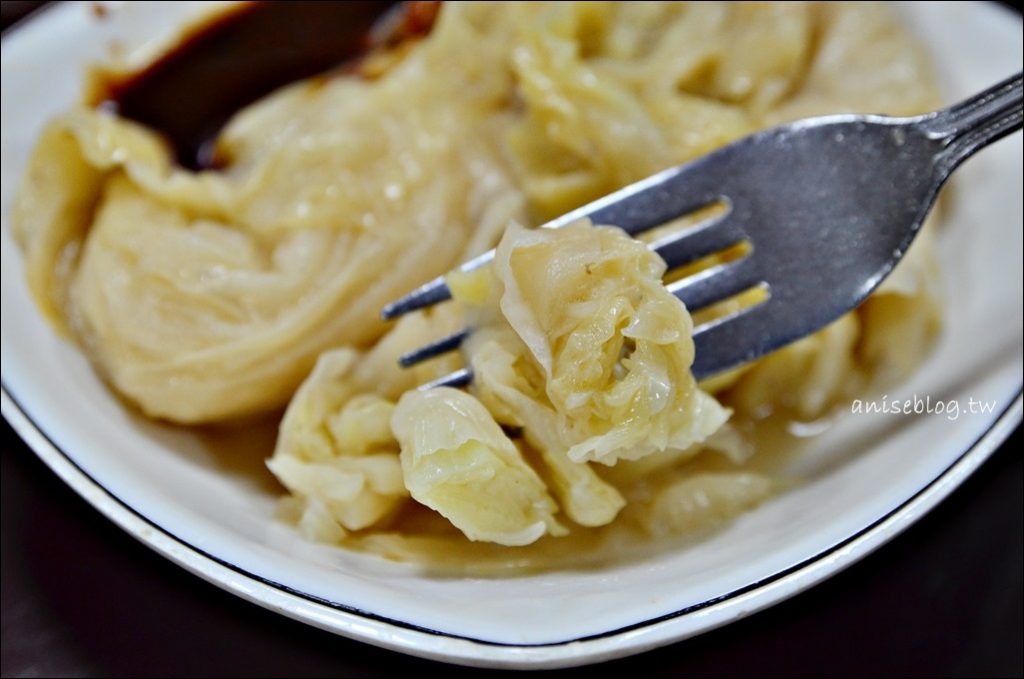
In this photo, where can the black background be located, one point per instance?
(82, 598)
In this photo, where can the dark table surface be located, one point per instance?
(81, 598)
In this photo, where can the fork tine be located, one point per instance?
(459, 378)
(717, 283)
(435, 348)
(426, 295)
(431, 293)
(724, 343)
(705, 239)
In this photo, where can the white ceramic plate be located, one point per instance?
(868, 478)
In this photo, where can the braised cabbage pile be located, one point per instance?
(209, 296)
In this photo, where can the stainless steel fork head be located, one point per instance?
(828, 205)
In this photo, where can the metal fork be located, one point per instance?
(828, 205)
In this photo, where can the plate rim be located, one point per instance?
(405, 637)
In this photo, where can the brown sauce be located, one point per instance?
(237, 57)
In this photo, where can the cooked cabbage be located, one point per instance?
(202, 297)
(336, 453)
(458, 461)
(610, 347)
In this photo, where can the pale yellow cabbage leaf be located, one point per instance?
(609, 347)
(336, 452)
(458, 461)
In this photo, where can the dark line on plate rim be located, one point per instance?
(427, 630)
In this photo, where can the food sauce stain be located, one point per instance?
(236, 57)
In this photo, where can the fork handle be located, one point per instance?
(965, 128)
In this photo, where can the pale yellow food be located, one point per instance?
(577, 342)
(202, 297)
(458, 461)
(359, 488)
(594, 338)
